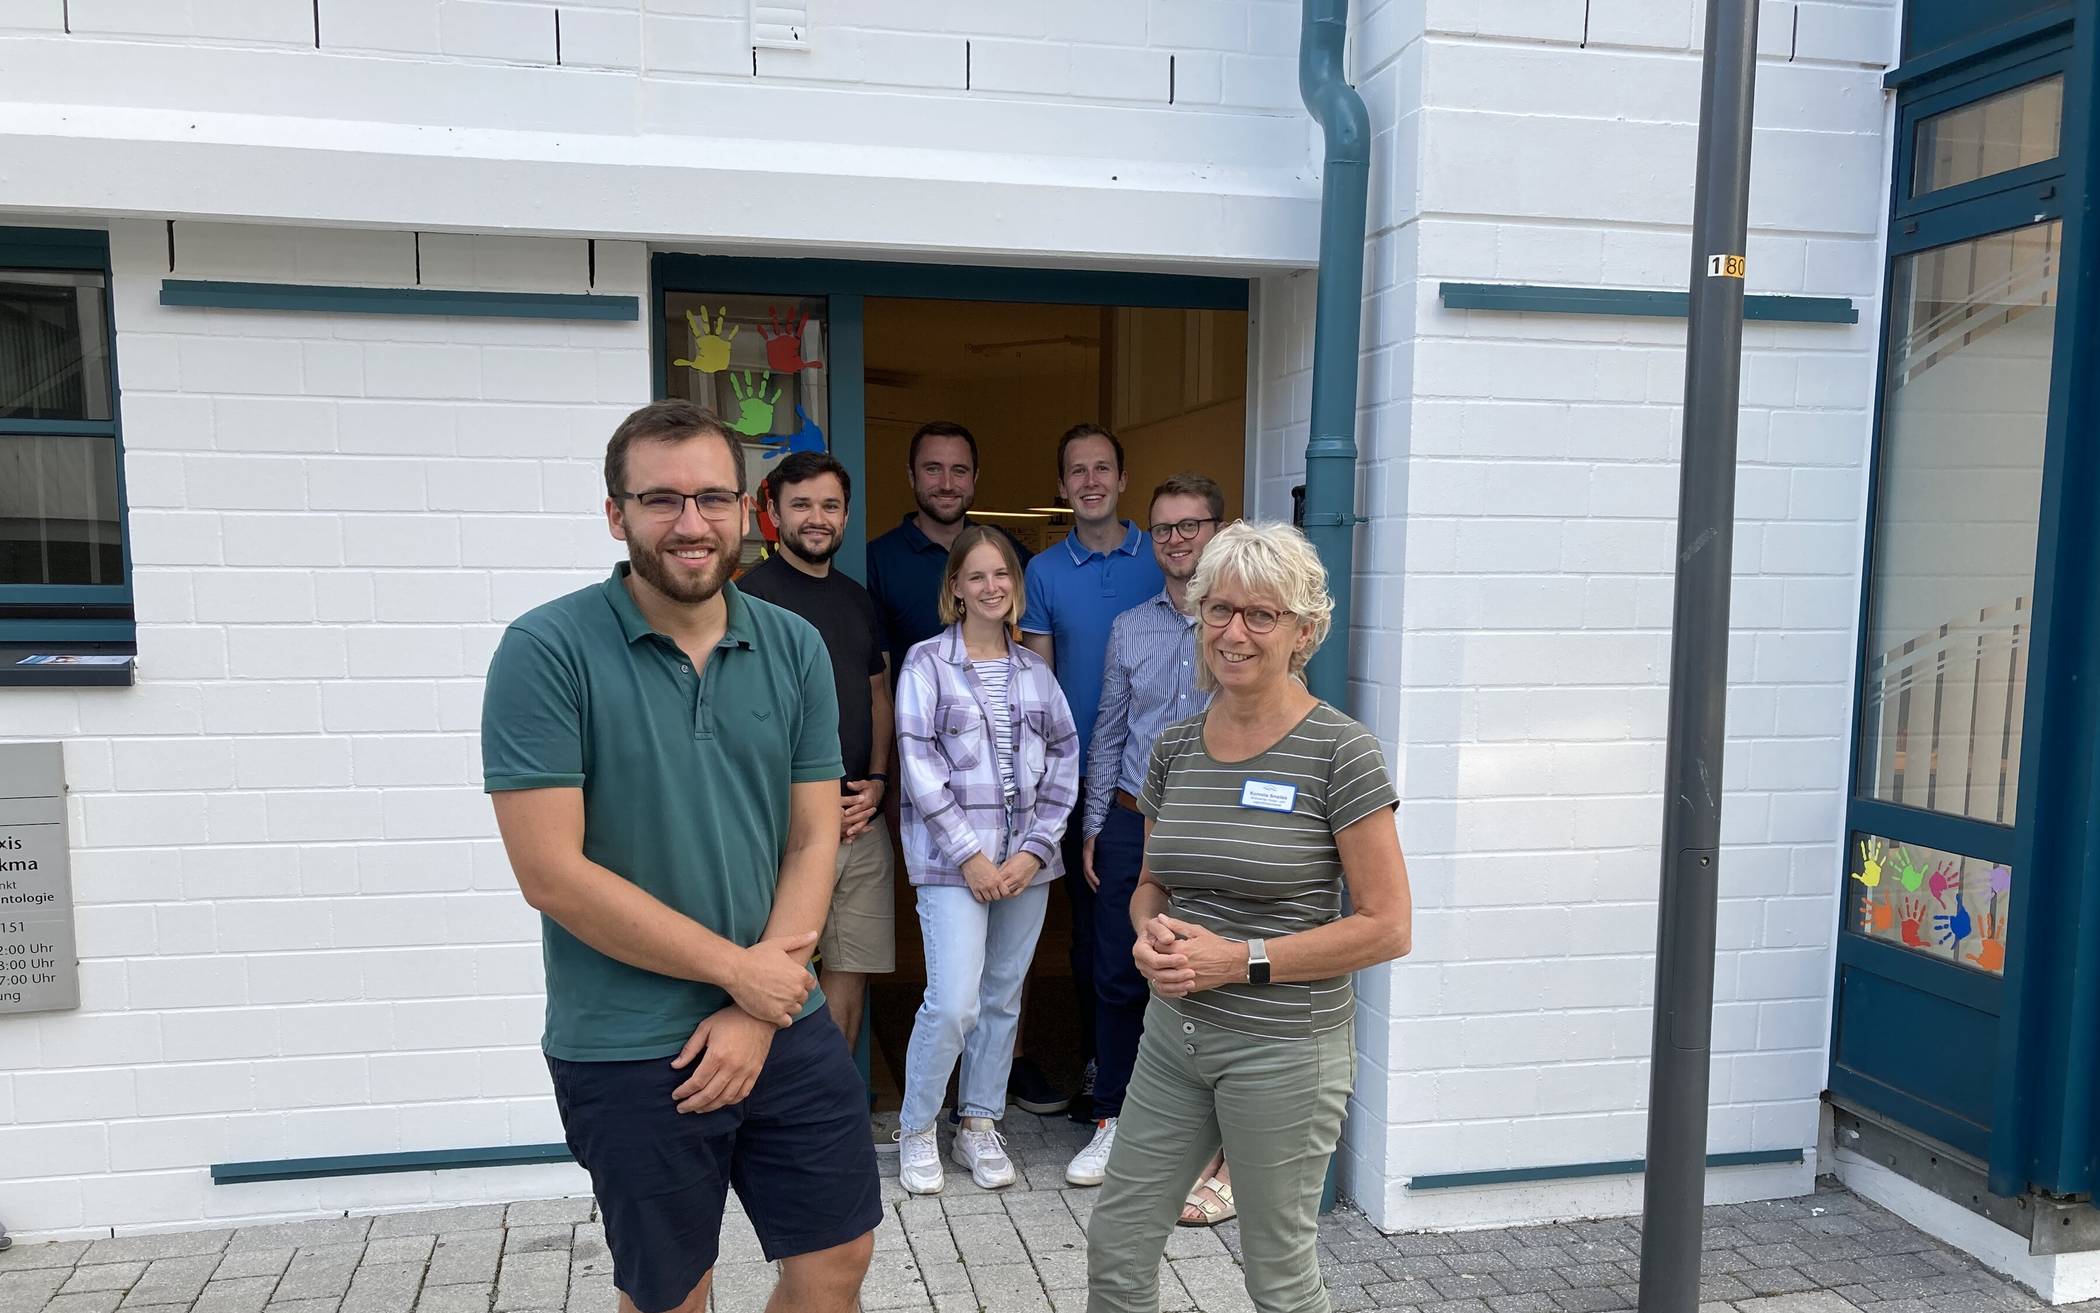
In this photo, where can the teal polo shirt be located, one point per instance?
(685, 781)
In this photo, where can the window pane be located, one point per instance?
(1941, 904)
(1955, 523)
(52, 359)
(759, 363)
(58, 511)
(2008, 131)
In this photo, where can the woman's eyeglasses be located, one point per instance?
(714, 504)
(1179, 529)
(1258, 619)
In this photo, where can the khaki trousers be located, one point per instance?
(1274, 1104)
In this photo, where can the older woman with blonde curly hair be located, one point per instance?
(1259, 813)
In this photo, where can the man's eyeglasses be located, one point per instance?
(660, 504)
(1179, 529)
(1258, 619)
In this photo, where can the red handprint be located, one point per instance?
(784, 341)
(1913, 916)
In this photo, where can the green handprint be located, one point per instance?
(710, 348)
(754, 409)
(1907, 870)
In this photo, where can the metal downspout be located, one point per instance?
(1330, 447)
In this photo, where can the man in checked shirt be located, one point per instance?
(1148, 682)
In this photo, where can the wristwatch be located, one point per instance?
(1257, 961)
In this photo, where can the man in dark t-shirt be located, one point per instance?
(808, 494)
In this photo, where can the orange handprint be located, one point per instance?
(710, 347)
(1876, 916)
(1990, 956)
(784, 341)
(1869, 872)
(1913, 917)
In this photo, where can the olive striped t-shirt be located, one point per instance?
(1247, 849)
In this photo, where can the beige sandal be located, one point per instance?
(1218, 1208)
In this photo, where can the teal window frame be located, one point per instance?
(2038, 1062)
(68, 615)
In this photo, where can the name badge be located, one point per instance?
(1268, 795)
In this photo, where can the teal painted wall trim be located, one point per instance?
(1577, 1171)
(1539, 299)
(396, 300)
(372, 1164)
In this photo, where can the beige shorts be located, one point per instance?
(860, 935)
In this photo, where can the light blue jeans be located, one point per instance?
(977, 955)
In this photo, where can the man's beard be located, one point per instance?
(793, 543)
(684, 586)
(962, 509)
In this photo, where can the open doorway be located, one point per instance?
(1171, 382)
(851, 357)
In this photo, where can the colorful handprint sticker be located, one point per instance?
(783, 336)
(1990, 954)
(710, 345)
(806, 438)
(1870, 855)
(754, 405)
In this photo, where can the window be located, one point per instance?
(1975, 260)
(65, 585)
(758, 362)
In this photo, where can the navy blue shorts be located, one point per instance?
(798, 1150)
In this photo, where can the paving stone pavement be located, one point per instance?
(1021, 1250)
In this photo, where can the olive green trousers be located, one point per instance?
(1276, 1107)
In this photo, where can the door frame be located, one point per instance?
(845, 285)
(2043, 1052)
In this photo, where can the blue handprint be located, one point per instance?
(807, 438)
(1956, 925)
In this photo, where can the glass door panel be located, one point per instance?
(758, 362)
(1952, 583)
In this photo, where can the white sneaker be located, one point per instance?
(1090, 1165)
(919, 1161)
(983, 1150)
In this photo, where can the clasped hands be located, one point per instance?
(1180, 958)
(770, 984)
(989, 883)
(859, 806)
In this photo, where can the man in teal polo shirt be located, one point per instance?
(1076, 589)
(663, 753)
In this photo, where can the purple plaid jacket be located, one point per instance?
(954, 804)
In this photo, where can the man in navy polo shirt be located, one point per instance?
(1076, 589)
(904, 565)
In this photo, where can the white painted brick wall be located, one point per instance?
(298, 933)
(1513, 589)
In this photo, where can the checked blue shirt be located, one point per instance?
(1147, 683)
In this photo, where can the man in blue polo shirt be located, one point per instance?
(905, 564)
(1076, 589)
(663, 753)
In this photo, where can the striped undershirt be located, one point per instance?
(993, 675)
(1250, 873)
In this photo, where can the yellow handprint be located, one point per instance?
(1869, 872)
(710, 349)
